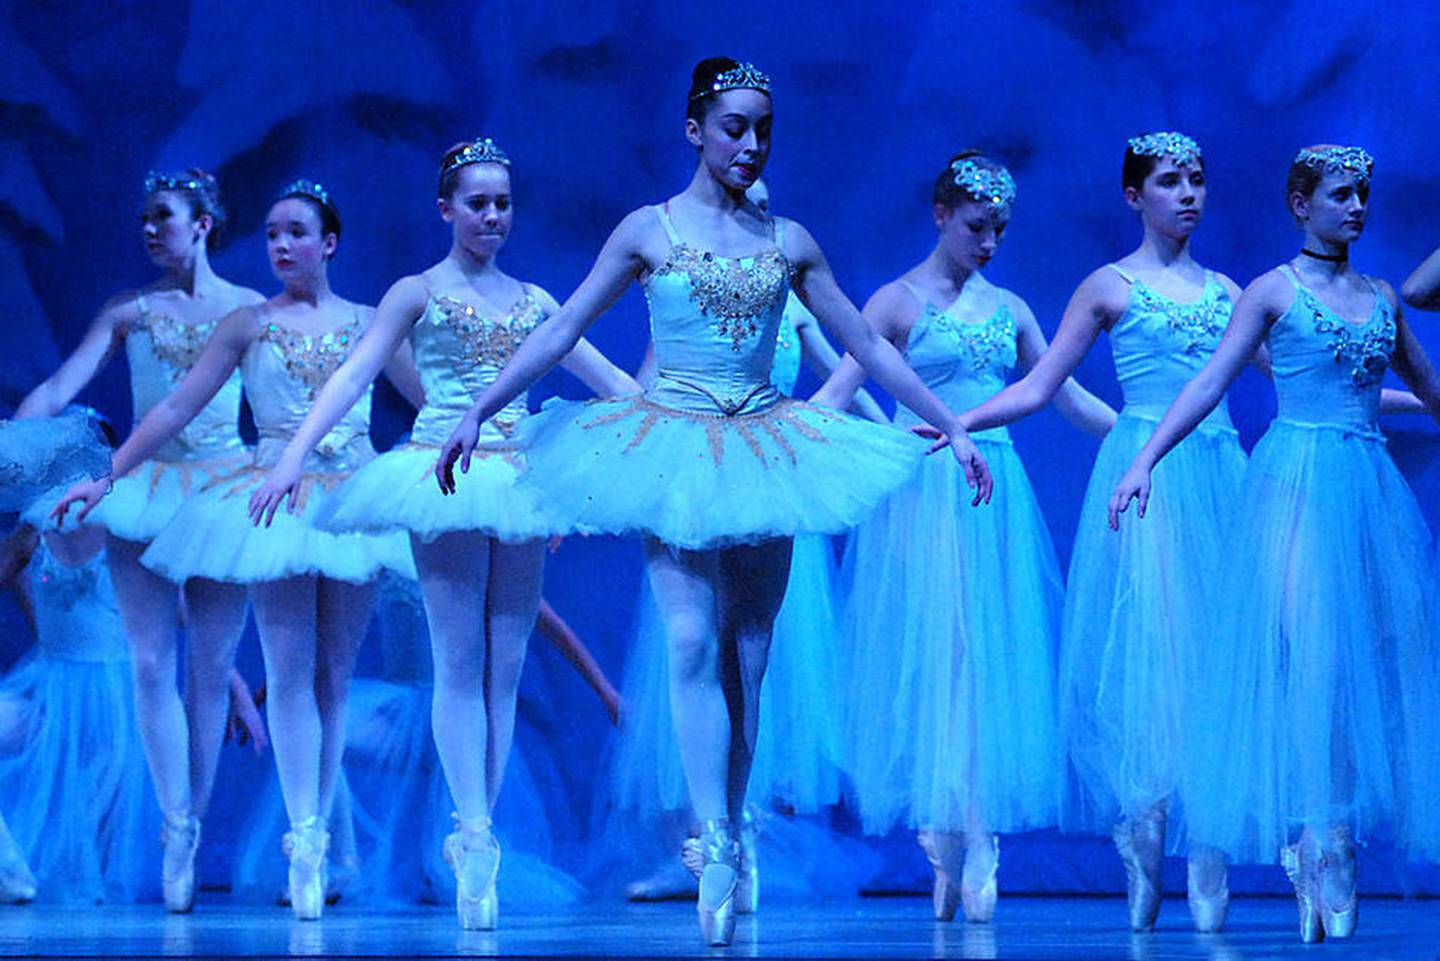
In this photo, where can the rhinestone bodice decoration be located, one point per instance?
(76, 617)
(283, 370)
(963, 362)
(160, 350)
(1159, 344)
(459, 352)
(714, 322)
(1327, 370)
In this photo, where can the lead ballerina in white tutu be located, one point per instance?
(311, 590)
(478, 556)
(953, 616)
(1318, 701)
(162, 329)
(712, 464)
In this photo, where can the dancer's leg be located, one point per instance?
(215, 617)
(342, 613)
(285, 614)
(516, 573)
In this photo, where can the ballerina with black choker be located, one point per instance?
(712, 465)
(162, 329)
(310, 590)
(1315, 709)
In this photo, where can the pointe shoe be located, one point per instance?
(1301, 863)
(747, 885)
(944, 851)
(977, 882)
(305, 845)
(474, 855)
(1339, 903)
(17, 884)
(714, 859)
(180, 837)
(1207, 891)
(1141, 843)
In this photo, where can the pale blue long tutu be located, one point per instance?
(951, 622)
(40, 454)
(1140, 618)
(1321, 684)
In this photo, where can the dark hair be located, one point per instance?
(1137, 167)
(201, 191)
(701, 97)
(947, 192)
(1303, 179)
(325, 209)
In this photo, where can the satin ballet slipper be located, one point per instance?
(1141, 843)
(714, 859)
(1207, 890)
(747, 885)
(1301, 861)
(977, 882)
(474, 855)
(1339, 901)
(305, 845)
(180, 837)
(945, 850)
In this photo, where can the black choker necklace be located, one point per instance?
(1328, 258)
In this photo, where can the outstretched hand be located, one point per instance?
(245, 725)
(87, 493)
(282, 484)
(977, 471)
(458, 448)
(1134, 486)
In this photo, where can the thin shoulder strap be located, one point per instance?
(1288, 272)
(1123, 275)
(777, 230)
(916, 292)
(664, 215)
(140, 304)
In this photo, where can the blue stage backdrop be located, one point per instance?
(871, 99)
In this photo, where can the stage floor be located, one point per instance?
(1025, 928)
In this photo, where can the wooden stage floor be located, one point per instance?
(1025, 928)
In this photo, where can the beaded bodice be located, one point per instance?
(76, 617)
(283, 370)
(714, 322)
(161, 350)
(459, 352)
(1159, 344)
(1328, 370)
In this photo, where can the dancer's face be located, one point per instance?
(294, 239)
(1335, 211)
(170, 231)
(1172, 199)
(480, 208)
(970, 233)
(734, 139)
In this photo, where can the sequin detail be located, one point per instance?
(735, 295)
(178, 345)
(311, 359)
(979, 340)
(774, 422)
(1199, 324)
(488, 341)
(1366, 348)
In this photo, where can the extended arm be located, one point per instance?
(589, 366)
(1421, 289)
(52, 395)
(404, 376)
(824, 360)
(1415, 368)
(1076, 404)
(559, 633)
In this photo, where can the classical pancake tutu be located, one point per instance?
(211, 537)
(42, 453)
(699, 481)
(1321, 689)
(1140, 620)
(951, 623)
(78, 800)
(397, 491)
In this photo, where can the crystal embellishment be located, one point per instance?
(980, 341)
(1198, 325)
(735, 294)
(490, 342)
(178, 345)
(1354, 162)
(311, 359)
(1167, 143)
(1366, 347)
(989, 185)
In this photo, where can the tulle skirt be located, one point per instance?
(1140, 620)
(701, 481)
(951, 624)
(148, 498)
(42, 453)
(211, 536)
(397, 492)
(1321, 690)
(77, 795)
(398, 805)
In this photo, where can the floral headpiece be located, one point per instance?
(1166, 143)
(990, 185)
(307, 188)
(1352, 161)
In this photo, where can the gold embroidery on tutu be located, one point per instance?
(249, 477)
(786, 412)
(310, 359)
(488, 341)
(734, 294)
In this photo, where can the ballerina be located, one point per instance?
(162, 329)
(952, 720)
(712, 465)
(310, 590)
(1320, 686)
(479, 557)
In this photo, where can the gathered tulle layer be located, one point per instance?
(797, 750)
(78, 798)
(1140, 620)
(397, 492)
(700, 481)
(211, 537)
(145, 500)
(951, 621)
(42, 453)
(1321, 688)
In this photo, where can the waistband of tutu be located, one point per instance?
(1216, 422)
(1368, 432)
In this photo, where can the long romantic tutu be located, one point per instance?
(1140, 621)
(42, 453)
(701, 481)
(951, 623)
(397, 492)
(211, 536)
(1322, 684)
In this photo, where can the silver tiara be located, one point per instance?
(307, 188)
(155, 182)
(742, 76)
(480, 151)
(1354, 161)
(989, 185)
(1166, 143)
